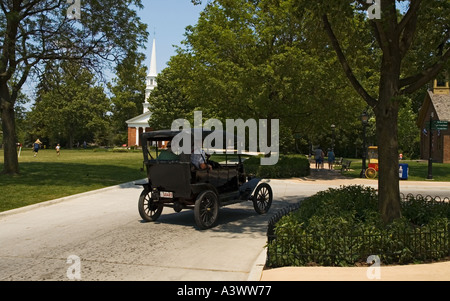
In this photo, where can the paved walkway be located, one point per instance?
(439, 271)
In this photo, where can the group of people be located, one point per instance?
(319, 157)
(37, 145)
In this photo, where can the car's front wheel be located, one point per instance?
(262, 198)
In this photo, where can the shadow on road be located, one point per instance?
(238, 218)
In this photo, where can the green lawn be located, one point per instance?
(49, 176)
(418, 170)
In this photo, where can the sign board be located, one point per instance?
(437, 125)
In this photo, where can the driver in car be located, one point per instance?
(198, 158)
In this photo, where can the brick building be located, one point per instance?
(436, 107)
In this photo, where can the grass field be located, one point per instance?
(49, 176)
(418, 170)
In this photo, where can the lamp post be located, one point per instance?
(430, 158)
(364, 120)
(333, 127)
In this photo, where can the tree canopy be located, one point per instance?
(70, 106)
(33, 33)
(275, 57)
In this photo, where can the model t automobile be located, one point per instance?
(174, 181)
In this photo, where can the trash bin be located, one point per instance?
(403, 171)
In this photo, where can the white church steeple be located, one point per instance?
(151, 78)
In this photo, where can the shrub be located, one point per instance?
(287, 166)
(343, 227)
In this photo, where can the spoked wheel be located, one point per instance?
(371, 173)
(206, 209)
(148, 209)
(262, 198)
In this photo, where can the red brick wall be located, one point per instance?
(446, 144)
(131, 136)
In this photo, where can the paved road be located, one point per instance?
(104, 230)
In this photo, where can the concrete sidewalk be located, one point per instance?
(439, 271)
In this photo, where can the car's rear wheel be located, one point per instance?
(206, 209)
(262, 198)
(148, 208)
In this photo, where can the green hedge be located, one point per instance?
(342, 227)
(287, 166)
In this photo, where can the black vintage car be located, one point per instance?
(173, 181)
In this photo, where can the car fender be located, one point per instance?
(145, 186)
(246, 190)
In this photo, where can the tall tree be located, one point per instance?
(169, 101)
(70, 106)
(128, 89)
(35, 32)
(400, 72)
(396, 53)
(263, 59)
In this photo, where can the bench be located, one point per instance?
(338, 161)
(346, 165)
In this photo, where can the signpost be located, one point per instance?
(439, 125)
(436, 125)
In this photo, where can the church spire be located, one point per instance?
(151, 77)
(153, 72)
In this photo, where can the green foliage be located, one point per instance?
(422, 211)
(287, 166)
(260, 60)
(342, 227)
(70, 106)
(36, 33)
(128, 89)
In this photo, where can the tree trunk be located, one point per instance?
(386, 112)
(11, 165)
(388, 179)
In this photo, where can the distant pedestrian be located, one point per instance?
(331, 158)
(84, 145)
(57, 149)
(36, 146)
(318, 156)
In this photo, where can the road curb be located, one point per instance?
(258, 266)
(67, 198)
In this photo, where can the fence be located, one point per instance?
(345, 247)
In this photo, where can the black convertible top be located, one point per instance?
(165, 135)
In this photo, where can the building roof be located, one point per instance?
(441, 104)
(139, 121)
